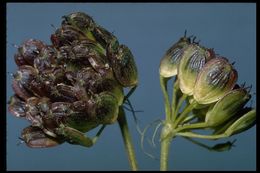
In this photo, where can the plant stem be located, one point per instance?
(127, 139)
(174, 98)
(183, 114)
(129, 93)
(98, 134)
(163, 82)
(189, 118)
(195, 135)
(165, 145)
(181, 100)
(166, 137)
(199, 143)
(192, 126)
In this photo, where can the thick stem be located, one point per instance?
(166, 137)
(165, 145)
(127, 139)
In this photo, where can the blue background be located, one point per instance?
(148, 30)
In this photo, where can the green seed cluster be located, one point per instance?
(207, 81)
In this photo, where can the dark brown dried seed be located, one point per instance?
(16, 106)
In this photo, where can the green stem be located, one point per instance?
(98, 134)
(129, 93)
(195, 135)
(217, 148)
(127, 139)
(189, 118)
(174, 98)
(198, 143)
(192, 126)
(182, 99)
(167, 135)
(184, 114)
(165, 145)
(163, 82)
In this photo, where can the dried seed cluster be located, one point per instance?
(76, 82)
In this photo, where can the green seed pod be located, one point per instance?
(112, 86)
(227, 107)
(223, 146)
(124, 66)
(74, 136)
(170, 61)
(106, 108)
(223, 127)
(79, 20)
(112, 47)
(104, 37)
(194, 57)
(214, 81)
(245, 122)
